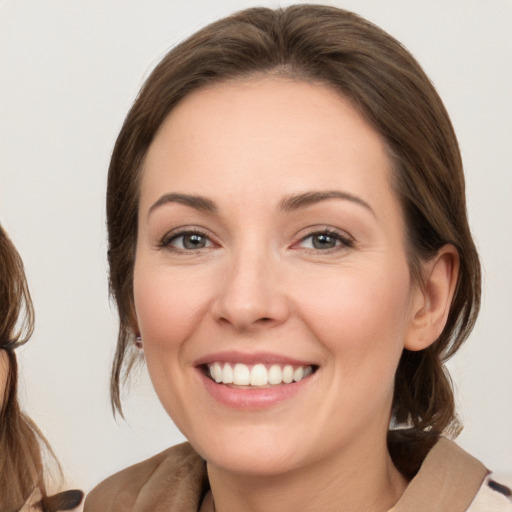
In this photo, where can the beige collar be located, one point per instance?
(447, 481)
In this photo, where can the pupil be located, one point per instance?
(323, 242)
(193, 241)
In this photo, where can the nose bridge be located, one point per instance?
(251, 295)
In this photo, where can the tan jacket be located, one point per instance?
(175, 481)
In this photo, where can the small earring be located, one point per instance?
(138, 342)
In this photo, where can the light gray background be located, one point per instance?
(69, 70)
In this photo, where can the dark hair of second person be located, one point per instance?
(22, 472)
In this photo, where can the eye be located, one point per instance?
(325, 240)
(187, 241)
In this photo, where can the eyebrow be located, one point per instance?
(287, 204)
(300, 201)
(198, 202)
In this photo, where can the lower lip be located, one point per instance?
(253, 398)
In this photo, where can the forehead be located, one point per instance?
(259, 133)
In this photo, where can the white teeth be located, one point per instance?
(227, 374)
(217, 372)
(258, 375)
(288, 374)
(298, 373)
(275, 375)
(241, 375)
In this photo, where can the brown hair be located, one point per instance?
(21, 468)
(389, 88)
(21, 442)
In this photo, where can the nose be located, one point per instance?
(251, 295)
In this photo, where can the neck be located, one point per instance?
(355, 480)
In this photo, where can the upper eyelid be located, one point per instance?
(319, 229)
(183, 231)
(345, 240)
(301, 235)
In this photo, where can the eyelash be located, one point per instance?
(342, 241)
(166, 242)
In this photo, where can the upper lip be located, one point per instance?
(250, 358)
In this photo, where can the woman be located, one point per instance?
(22, 480)
(288, 244)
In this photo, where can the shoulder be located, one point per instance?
(175, 479)
(448, 479)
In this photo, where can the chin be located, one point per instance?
(255, 463)
(257, 453)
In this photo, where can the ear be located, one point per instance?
(432, 299)
(4, 374)
(133, 322)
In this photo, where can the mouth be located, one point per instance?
(256, 376)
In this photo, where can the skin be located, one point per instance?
(260, 285)
(4, 369)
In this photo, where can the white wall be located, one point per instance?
(69, 71)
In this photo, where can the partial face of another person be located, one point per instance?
(4, 371)
(271, 282)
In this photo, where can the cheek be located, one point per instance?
(168, 308)
(362, 316)
(167, 305)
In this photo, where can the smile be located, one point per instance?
(257, 375)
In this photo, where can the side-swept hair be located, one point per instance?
(21, 442)
(21, 468)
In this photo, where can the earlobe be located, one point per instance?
(4, 373)
(133, 321)
(432, 303)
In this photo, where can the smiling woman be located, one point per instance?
(288, 242)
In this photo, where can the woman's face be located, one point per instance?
(271, 248)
